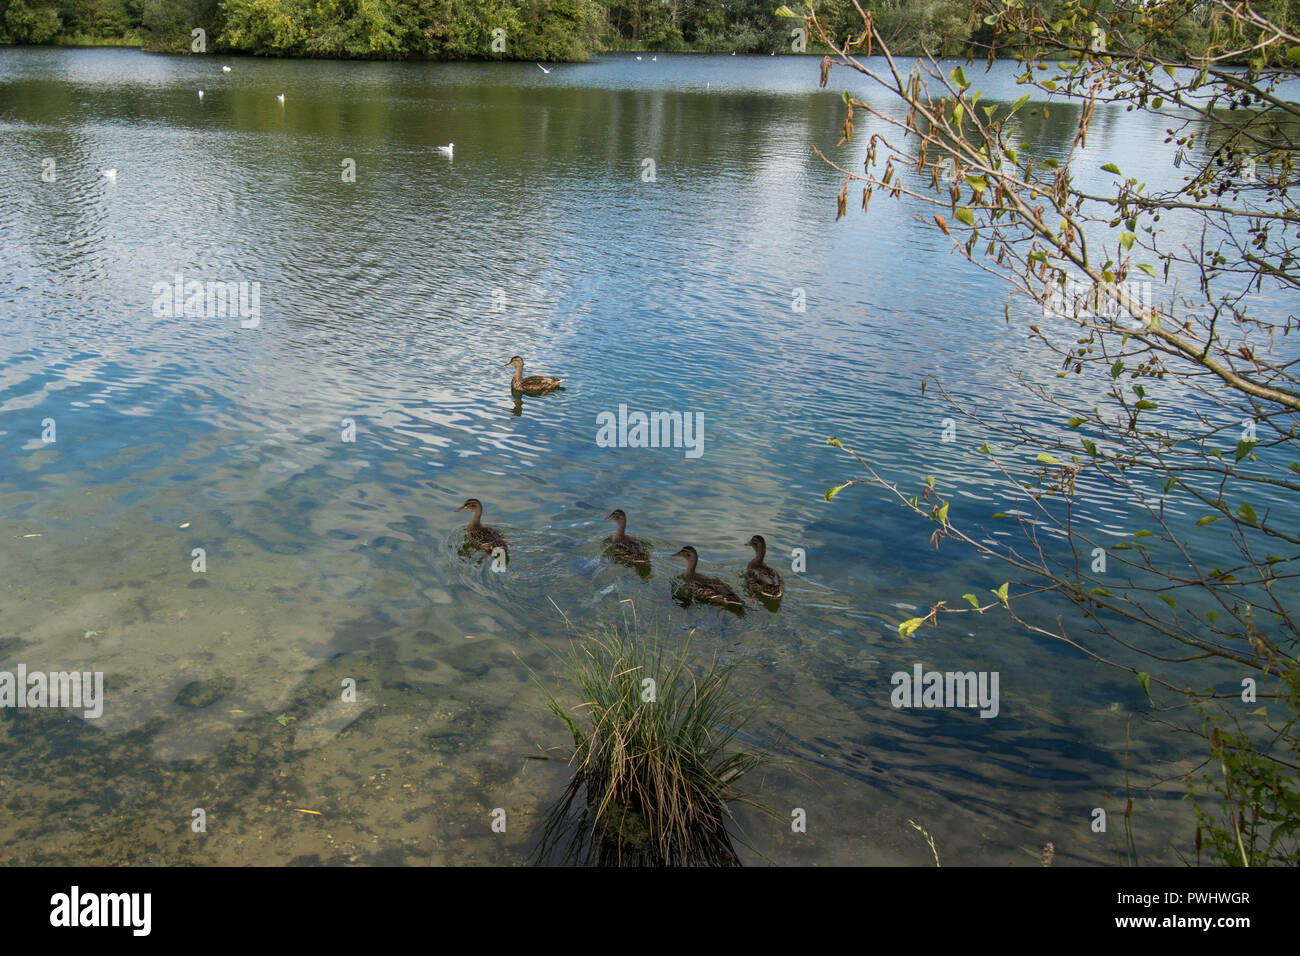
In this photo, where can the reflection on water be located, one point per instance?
(317, 460)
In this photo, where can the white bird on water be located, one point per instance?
(200, 94)
(542, 68)
(280, 97)
(109, 174)
(638, 59)
(446, 150)
(225, 69)
(654, 59)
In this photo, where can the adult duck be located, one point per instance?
(533, 384)
(626, 547)
(479, 534)
(760, 580)
(701, 588)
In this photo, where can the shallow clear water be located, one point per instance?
(392, 302)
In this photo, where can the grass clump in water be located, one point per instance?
(656, 766)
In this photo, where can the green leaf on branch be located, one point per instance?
(965, 215)
(1002, 592)
(1145, 680)
(1126, 239)
(832, 492)
(836, 442)
(1208, 519)
(1045, 459)
(1090, 446)
(1076, 421)
(974, 601)
(1247, 514)
(1111, 168)
(1147, 269)
(784, 11)
(1244, 448)
(984, 449)
(911, 624)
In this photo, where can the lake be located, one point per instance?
(660, 233)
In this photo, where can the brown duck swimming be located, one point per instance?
(760, 580)
(533, 384)
(627, 548)
(709, 590)
(479, 534)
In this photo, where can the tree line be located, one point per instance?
(566, 30)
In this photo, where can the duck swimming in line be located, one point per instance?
(533, 384)
(708, 590)
(760, 580)
(479, 534)
(627, 548)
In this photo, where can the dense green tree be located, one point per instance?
(572, 29)
(30, 21)
(167, 24)
(454, 29)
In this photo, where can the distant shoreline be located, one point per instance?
(125, 43)
(135, 43)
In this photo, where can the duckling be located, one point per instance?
(533, 384)
(627, 548)
(760, 580)
(709, 590)
(478, 534)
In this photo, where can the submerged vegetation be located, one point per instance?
(550, 29)
(656, 762)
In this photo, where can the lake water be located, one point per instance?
(391, 302)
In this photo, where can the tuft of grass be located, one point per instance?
(655, 760)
